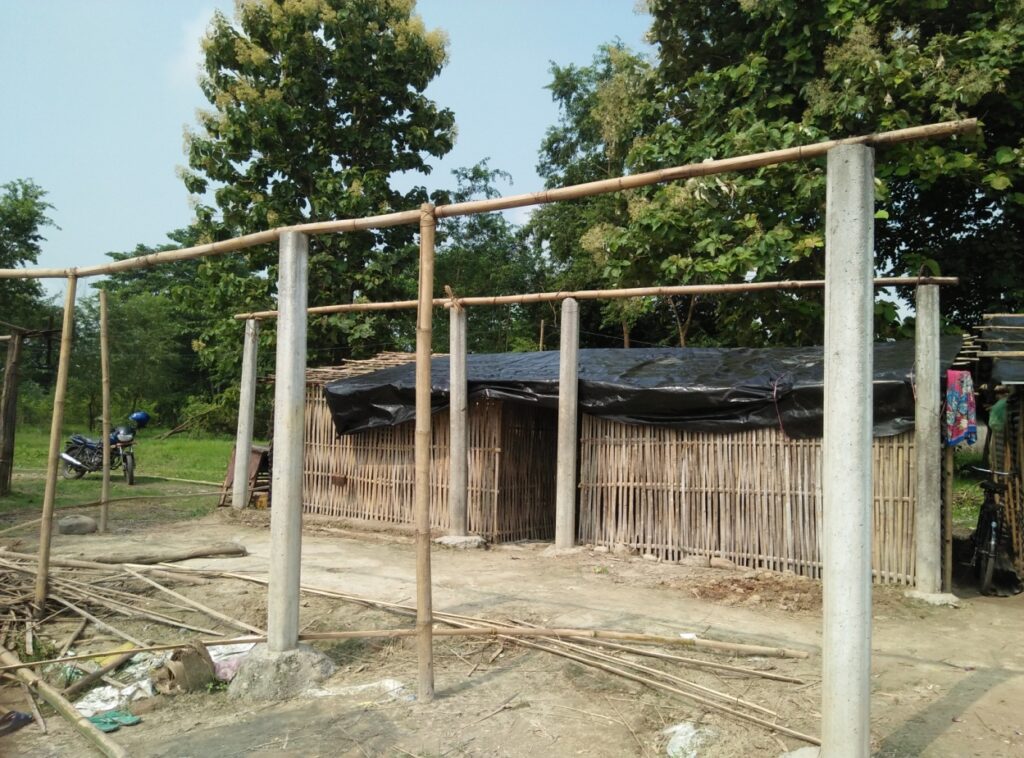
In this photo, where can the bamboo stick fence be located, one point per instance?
(752, 497)
(1013, 460)
(370, 476)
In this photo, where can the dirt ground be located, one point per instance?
(946, 682)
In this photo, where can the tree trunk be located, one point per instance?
(8, 412)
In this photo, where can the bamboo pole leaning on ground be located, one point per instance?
(60, 704)
(53, 458)
(421, 505)
(105, 375)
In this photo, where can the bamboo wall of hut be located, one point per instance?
(370, 476)
(752, 497)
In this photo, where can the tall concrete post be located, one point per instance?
(246, 410)
(846, 466)
(286, 479)
(927, 442)
(568, 403)
(458, 492)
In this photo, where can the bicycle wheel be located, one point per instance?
(129, 468)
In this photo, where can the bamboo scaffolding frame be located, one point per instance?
(572, 192)
(105, 433)
(421, 501)
(53, 460)
(619, 294)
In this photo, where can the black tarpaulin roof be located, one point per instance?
(700, 389)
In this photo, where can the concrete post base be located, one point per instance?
(268, 675)
(802, 752)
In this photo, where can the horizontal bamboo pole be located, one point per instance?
(441, 631)
(617, 294)
(706, 168)
(572, 192)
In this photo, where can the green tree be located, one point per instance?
(316, 106)
(748, 76)
(486, 254)
(23, 217)
(604, 109)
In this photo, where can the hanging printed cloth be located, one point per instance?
(961, 425)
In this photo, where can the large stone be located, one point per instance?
(469, 542)
(934, 598)
(269, 675)
(77, 525)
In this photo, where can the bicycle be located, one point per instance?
(990, 536)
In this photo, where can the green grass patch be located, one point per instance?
(200, 458)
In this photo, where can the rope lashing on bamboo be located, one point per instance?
(572, 192)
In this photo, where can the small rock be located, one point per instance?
(623, 549)
(469, 542)
(722, 563)
(76, 525)
(601, 549)
(651, 557)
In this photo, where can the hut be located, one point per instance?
(367, 478)
(682, 452)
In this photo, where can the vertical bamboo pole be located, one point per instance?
(947, 519)
(105, 380)
(568, 402)
(846, 466)
(458, 492)
(9, 411)
(289, 415)
(421, 502)
(927, 443)
(246, 410)
(53, 458)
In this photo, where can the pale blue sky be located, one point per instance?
(96, 96)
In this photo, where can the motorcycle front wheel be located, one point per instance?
(129, 468)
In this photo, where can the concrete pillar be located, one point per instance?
(286, 479)
(927, 442)
(846, 466)
(246, 409)
(568, 403)
(458, 492)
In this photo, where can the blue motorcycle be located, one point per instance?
(83, 454)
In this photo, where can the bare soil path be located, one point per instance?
(946, 682)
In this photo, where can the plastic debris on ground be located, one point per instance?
(111, 698)
(685, 739)
(227, 659)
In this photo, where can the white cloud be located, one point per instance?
(183, 69)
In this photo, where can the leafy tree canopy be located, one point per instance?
(23, 217)
(743, 76)
(486, 254)
(316, 105)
